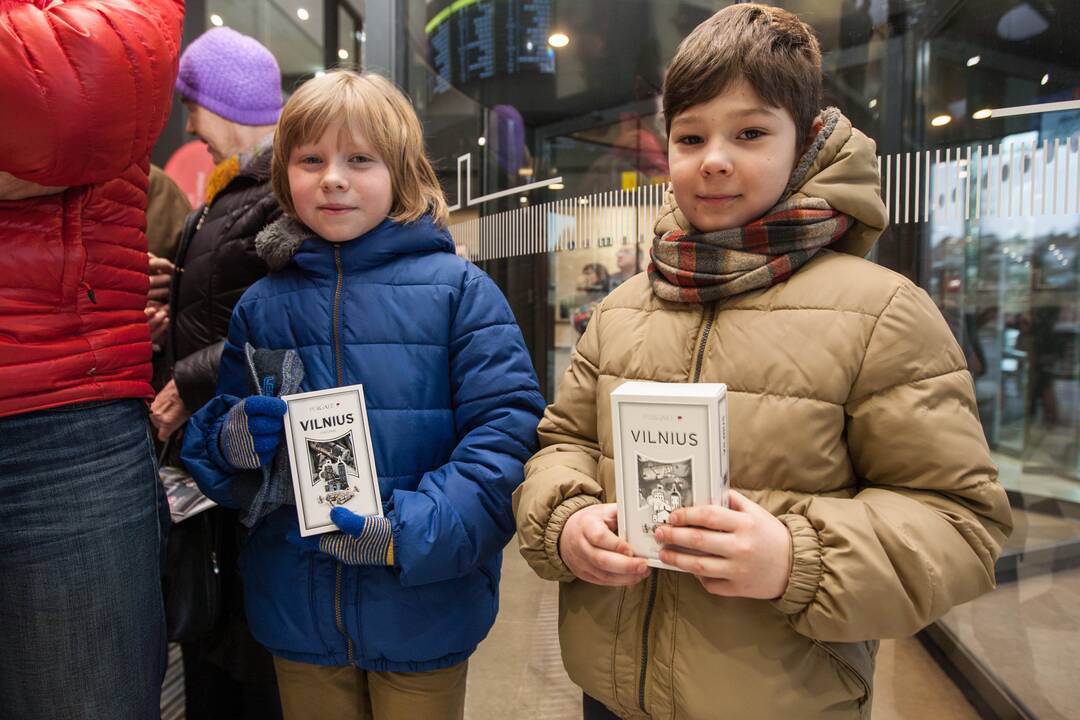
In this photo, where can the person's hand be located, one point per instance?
(252, 431)
(168, 411)
(157, 316)
(12, 188)
(363, 540)
(747, 549)
(589, 546)
(161, 272)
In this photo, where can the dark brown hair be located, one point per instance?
(770, 48)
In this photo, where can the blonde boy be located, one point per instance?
(866, 504)
(378, 620)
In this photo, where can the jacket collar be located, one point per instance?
(288, 240)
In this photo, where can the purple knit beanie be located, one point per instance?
(232, 75)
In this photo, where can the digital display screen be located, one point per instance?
(475, 40)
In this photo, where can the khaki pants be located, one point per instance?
(315, 692)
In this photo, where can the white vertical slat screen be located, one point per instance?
(618, 217)
(967, 183)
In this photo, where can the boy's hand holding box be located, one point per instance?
(671, 451)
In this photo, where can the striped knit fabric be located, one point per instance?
(373, 546)
(703, 267)
(237, 443)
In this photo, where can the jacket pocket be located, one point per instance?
(48, 249)
(846, 668)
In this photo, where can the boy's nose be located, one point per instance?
(717, 161)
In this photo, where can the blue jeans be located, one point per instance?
(82, 631)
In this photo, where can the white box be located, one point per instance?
(670, 451)
(330, 455)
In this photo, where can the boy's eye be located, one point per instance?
(310, 159)
(689, 140)
(359, 159)
(751, 134)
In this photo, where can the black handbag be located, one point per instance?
(191, 582)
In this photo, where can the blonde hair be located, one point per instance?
(373, 105)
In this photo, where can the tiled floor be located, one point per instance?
(1028, 634)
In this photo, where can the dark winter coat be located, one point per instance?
(216, 262)
(453, 404)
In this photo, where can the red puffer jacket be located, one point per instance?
(85, 90)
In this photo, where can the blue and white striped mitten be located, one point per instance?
(363, 540)
(251, 431)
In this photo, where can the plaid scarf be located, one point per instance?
(697, 267)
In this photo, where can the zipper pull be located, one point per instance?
(89, 292)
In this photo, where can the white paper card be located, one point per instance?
(331, 456)
(670, 444)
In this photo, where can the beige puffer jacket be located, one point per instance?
(852, 419)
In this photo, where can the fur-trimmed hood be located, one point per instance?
(288, 239)
(279, 241)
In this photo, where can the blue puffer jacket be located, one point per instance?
(453, 405)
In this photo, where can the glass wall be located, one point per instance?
(543, 118)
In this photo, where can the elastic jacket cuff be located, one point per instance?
(213, 449)
(806, 566)
(554, 528)
(374, 545)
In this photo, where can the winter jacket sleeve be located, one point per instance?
(201, 454)
(925, 530)
(562, 478)
(86, 85)
(460, 514)
(196, 375)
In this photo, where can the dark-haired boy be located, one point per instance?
(866, 504)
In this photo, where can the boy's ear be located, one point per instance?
(815, 128)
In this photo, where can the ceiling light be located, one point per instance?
(1045, 79)
(216, 20)
(343, 54)
(973, 60)
(481, 141)
(556, 186)
(583, 201)
(559, 40)
(525, 171)
(940, 120)
(524, 200)
(872, 104)
(302, 14)
(982, 114)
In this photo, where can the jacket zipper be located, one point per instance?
(186, 236)
(645, 640)
(340, 374)
(710, 316)
(89, 292)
